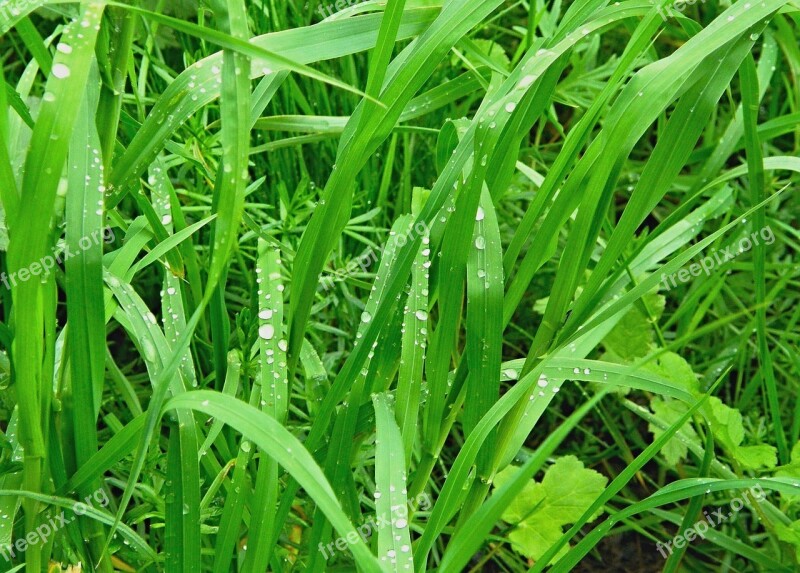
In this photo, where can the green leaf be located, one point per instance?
(632, 337)
(670, 411)
(791, 470)
(755, 457)
(726, 424)
(567, 490)
(675, 368)
(790, 534)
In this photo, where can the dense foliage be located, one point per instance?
(393, 285)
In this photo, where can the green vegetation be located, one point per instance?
(463, 285)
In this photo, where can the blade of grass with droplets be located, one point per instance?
(84, 289)
(44, 163)
(484, 326)
(412, 359)
(84, 273)
(391, 504)
(270, 436)
(235, 111)
(274, 399)
(172, 296)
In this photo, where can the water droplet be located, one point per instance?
(61, 71)
(526, 81)
(365, 316)
(480, 243)
(421, 315)
(266, 331)
(480, 214)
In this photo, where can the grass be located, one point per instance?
(435, 286)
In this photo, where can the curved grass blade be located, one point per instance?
(273, 438)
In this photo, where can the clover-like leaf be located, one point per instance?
(541, 510)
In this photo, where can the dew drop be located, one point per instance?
(61, 71)
(266, 331)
